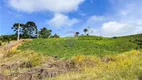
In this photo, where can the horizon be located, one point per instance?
(106, 18)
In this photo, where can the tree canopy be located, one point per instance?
(45, 33)
(27, 30)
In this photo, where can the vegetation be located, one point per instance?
(0, 43)
(126, 66)
(76, 33)
(76, 58)
(55, 36)
(27, 30)
(83, 45)
(7, 38)
(85, 31)
(45, 33)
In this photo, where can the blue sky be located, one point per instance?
(65, 17)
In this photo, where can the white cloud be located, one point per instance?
(125, 18)
(95, 18)
(60, 20)
(58, 7)
(113, 28)
(45, 5)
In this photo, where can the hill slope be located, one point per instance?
(89, 58)
(84, 45)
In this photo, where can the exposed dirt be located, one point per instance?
(37, 73)
(12, 46)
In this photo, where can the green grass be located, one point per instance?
(84, 45)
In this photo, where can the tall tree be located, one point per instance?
(30, 29)
(27, 30)
(17, 27)
(45, 33)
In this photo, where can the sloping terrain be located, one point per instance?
(84, 45)
(80, 58)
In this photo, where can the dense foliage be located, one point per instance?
(7, 38)
(44, 33)
(54, 36)
(84, 45)
(27, 30)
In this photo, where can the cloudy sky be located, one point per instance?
(65, 17)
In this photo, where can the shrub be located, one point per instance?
(7, 38)
(114, 37)
(0, 43)
(55, 36)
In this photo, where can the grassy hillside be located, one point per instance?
(84, 45)
(79, 58)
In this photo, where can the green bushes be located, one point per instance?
(7, 38)
(138, 42)
(90, 38)
(55, 36)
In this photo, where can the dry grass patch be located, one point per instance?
(127, 66)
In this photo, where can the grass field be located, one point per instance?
(83, 45)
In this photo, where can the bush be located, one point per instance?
(114, 37)
(8, 38)
(54, 36)
(0, 43)
(138, 42)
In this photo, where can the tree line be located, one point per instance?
(29, 30)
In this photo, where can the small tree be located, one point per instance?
(55, 36)
(85, 31)
(87, 34)
(44, 33)
(76, 33)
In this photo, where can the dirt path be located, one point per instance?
(10, 47)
